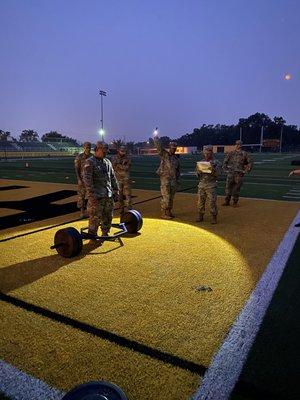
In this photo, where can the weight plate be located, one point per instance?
(101, 390)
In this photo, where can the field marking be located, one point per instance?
(17, 385)
(226, 367)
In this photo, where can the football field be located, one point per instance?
(178, 312)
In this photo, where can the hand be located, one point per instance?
(291, 173)
(79, 181)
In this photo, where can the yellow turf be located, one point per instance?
(143, 291)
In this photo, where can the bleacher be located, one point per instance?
(64, 146)
(8, 146)
(34, 146)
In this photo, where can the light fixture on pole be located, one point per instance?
(155, 132)
(101, 131)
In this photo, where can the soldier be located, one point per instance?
(169, 172)
(207, 188)
(102, 188)
(80, 161)
(236, 164)
(121, 164)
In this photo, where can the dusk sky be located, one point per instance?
(172, 64)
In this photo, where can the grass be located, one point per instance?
(268, 180)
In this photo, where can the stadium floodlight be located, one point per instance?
(155, 132)
(102, 93)
(101, 133)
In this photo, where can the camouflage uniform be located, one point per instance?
(207, 189)
(80, 161)
(121, 166)
(169, 172)
(236, 163)
(100, 182)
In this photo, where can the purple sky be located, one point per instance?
(166, 63)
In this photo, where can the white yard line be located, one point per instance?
(18, 385)
(226, 367)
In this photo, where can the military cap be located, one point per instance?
(173, 144)
(239, 142)
(208, 147)
(87, 144)
(122, 149)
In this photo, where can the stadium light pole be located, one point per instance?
(241, 130)
(101, 132)
(261, 137)
(280, 144)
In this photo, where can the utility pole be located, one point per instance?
(101, 132)
(280, 144)
(261, 137)
(241, 131)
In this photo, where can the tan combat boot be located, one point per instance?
(170, 213)
(199, 218)
(165, 214)
(213, 219)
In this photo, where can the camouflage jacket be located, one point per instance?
(210, 179)
(169, 163)
(99, 177)
(121, 166)
(238, 162)
(79, 162)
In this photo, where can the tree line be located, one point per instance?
(249, 128)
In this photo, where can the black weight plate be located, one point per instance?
(77, 240)
(69, 242)
(101, 390)
(139, 217)
(131, 220)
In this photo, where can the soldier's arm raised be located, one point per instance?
(161, 151)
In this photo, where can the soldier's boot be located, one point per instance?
(213, 219)
(170, 213)
(235, 203)
(122, 211)
(200, 217)
(227, 201)
(83, 213)
(165, 214)
(92, 241)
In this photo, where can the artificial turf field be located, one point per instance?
(148, 316)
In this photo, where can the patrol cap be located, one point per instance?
(208, 147)
(87, 144)
(122, 149)
(239, 142)
(173, 145)
(101, 145)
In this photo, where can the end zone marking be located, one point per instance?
(225, 369)
(17, 385)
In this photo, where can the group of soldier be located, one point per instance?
(102, 182)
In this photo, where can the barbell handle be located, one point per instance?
(56, 246)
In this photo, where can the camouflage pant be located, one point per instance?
(233, 186)
(100, 210)
(81, 201)
(210, 193)
(125, 191)
(168, 189)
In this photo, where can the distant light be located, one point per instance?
(101, 132)
(155, 132)
(287, 77)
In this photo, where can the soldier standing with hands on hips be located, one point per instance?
(102, 189)
(236, 164)
(169, 172)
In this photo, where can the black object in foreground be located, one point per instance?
(101, 390)
(68, 241)
(295, 162)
